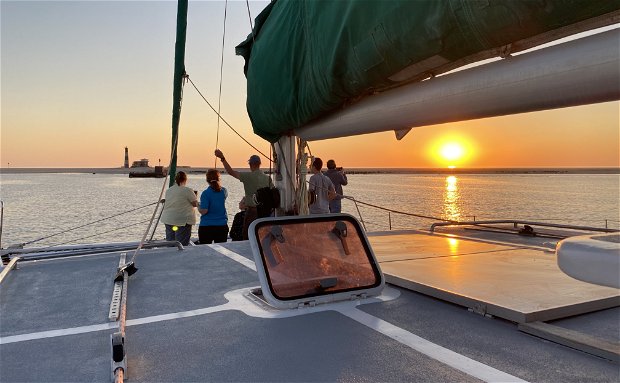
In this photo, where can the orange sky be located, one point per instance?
(74, 94)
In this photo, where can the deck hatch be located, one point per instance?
(313, 259)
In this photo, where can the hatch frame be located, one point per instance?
(316, 297)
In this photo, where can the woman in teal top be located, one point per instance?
(213, 218)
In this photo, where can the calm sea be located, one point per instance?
(63, 206)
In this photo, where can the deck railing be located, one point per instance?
(523, 222)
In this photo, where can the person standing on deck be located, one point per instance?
(252, 181)
(338, 178)
(320, 185)
(213, 218)
(179, 212)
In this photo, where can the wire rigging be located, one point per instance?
(380, 207)
(219, 98)
(247, 4)
(226, 122)
(163, 186)
(96, 235)
(87, 224)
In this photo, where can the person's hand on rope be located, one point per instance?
(219, 154)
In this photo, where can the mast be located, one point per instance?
(179, 73)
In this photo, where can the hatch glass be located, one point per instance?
(317, 258)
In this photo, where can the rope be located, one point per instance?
(219, 98)
(382, 208)
(360, 214)
(301, 164)
(226, 122)
(88, 224)
(398, 211)
(95, 235)
(163, 186)
(161, 211)
(247, 4)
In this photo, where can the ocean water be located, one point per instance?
(75, 208)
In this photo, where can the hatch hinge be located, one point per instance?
(359, 296)
(303, 304)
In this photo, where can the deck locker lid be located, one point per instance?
(308, 260)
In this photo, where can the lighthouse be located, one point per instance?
(126, 158)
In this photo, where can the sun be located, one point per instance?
(452, 151)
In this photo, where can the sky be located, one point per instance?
(81, 80)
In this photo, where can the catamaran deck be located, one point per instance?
(515, 282)
(190, 318)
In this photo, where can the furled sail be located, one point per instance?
(307, 59)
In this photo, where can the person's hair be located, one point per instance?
(317, 163)
(213, 179)
(180, 178)
(331, 164)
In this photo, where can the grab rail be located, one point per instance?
(517, 222)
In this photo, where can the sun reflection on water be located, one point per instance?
(451, 199)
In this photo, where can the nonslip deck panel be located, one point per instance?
(43, 295)
(573, 339)
(514, 283)
(230, 345)
(320, 347)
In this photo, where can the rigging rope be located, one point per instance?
(355, 201)
(163, 186)
(226, 122)
(95, 235)
(247, 4)
(399, 212)
(90, 223)
(219, 98)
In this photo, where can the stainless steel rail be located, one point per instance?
(517, 222)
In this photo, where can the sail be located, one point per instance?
(306, 59)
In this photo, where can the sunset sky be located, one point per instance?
(80, 80)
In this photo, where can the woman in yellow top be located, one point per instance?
(179, 212)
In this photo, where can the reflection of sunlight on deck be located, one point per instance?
(455, 263)
(454, 247)
(451, 198)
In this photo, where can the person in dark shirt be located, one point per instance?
(338, 178)
(236, 230)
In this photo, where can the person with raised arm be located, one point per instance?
(252, 181)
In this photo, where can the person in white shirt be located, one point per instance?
(319, 185)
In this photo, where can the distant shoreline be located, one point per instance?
(611, 170)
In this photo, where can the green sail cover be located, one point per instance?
(309, 57)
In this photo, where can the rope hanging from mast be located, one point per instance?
(226, 122)
(219, 99)
(180, 76)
